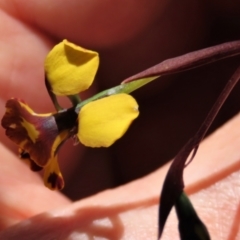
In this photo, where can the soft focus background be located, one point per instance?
(130, 37)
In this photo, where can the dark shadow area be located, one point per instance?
(169, 118)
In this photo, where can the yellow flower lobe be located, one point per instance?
(103, 121)
(70, 69)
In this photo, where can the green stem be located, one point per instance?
(123, 88)
(75, 99)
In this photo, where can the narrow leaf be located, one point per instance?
(190, 60)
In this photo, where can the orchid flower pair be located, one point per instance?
(95, 122)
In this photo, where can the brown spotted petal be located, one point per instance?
(38, 137)
(33, 133)
(27, 159)
(52, 176)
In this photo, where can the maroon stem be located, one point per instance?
(174, 184)
(190, 60)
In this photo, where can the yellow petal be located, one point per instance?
(104, 121)
(52, 176)
(70, 69)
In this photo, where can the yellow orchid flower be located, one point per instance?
(97, 122)
(39, 136)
